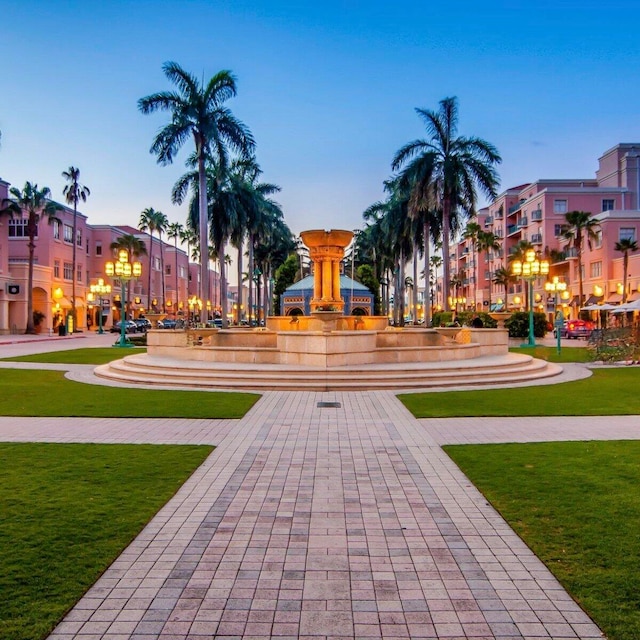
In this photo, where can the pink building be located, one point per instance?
(535, 213)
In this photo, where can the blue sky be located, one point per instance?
(328, 89)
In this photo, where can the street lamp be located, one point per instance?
(124, 271)
(529, 269)
(100, 289)
(555, 286)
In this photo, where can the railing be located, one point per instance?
(537, 214)
(515, 207)
(512, 228)
(523, 222)
(536, 238)
(499, 215)
(488, 221)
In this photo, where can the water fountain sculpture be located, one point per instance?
(326, 350)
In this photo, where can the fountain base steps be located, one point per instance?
(484, 370)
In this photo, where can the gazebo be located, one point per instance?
(296, 300)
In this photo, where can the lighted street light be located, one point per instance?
(124, 271)
(100, 289)
(555, 287)
(529, 269)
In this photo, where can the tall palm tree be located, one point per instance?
(198, 110)
(471, 232)
(434, 263)
(74, 192)
(162, 222)
(136, 248)
(147, 222)
(175, 232)
(502, 277)
(625, 246)
(451, 167)
(579, 228)
(487, 241)
(36, 204)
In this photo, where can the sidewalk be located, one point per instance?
(318, 522)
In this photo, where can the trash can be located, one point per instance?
(62, 330)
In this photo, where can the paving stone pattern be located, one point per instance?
(311, 522)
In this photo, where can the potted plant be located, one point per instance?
(38, 317)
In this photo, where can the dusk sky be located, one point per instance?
(328, 90)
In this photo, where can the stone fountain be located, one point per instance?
(326, 350)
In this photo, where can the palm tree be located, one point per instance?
(136, 248)
(434, 263)
(450, 167)
(472, 232)
(162, 223)
(74, 192)
(198, 110)
(580, 227)
(625, 246)
(36, 204)
(487, 241)
(502, 277)
(147, 222)
(175, 232)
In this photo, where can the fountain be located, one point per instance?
(326, 350)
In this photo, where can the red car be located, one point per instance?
(576, 329)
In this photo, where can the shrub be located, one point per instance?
(518, 324)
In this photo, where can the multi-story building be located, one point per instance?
(534, 213)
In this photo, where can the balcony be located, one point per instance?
(523, 222)
(514, 207)
(488, 221)
(512, 228)
(570, 252)
(536, 215)
(499, 215)
(536, 238)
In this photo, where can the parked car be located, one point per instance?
(167, 323)
(142, 324)
(575, 329)
(130, 327)
(215, 323)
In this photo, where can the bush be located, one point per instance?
(518, 324)
(442, 318)
(466, 318)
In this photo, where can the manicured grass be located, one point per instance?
(550, 354)
(577, 506)
(96, 356)
(607, 392)
(49, 393)
(68, 510)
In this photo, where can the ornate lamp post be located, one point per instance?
(100, 289)
(529, 269)
(555, 286)
(124, 271)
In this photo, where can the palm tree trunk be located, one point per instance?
(150, 272)
(223, 284)
(239, 276)
(203, 230)
(250, 279)
(446, 278)
(73, 266)
(30, 328)
(177, 307)
(414, 291)
(427, 259)
(164, 291)
(625, 266)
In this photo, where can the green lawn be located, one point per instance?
(98, 355)
(550, 354)
(68, 510)
(49, 393)
(607, 392)
(577, 505)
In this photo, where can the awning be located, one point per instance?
(633, 296)
(64, 303)
(574, 301)
(614, 298)
(593, 300)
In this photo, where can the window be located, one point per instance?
(68, 233)
(595, 269)
(68, 271)
(98, 248)
(608, 204)
(558, 230)
(56, 229)
(167, 269)
(181, 271)
(79, 273)
(18, 228)
(627, 233)
(560, 206)
(156, 263)
(56, 268)
(79, 237)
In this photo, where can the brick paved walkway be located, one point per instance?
(315, 522)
